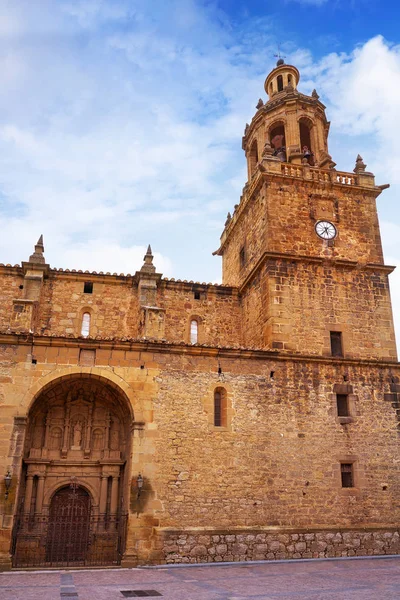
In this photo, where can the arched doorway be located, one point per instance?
(75, 476)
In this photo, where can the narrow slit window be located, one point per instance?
(342, 402)
(88, 287)
(220, 408)
(336, 343)
(194, 331)
(242, 257)
(280, 83)
(85, 329)
(346, 471)
(217, 409)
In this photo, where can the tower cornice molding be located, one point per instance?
(327, 180)
(160, 347)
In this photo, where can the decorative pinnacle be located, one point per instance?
(148, 266)
(360, 165)
(37, 256)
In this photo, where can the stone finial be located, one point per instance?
(37, 256)
(259, 104)
(314, 94)
(360, 165)
(148, 266)
(246, 128)
(228, 219)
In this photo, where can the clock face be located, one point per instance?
(325, 230)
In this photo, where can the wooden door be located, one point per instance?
(68, 527)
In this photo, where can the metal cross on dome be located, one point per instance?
(279, 56)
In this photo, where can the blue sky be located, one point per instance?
(121, 121)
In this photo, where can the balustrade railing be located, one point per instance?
(320, 175)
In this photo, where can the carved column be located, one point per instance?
(103, 494)
(46, 435)
(66, 430)
(89, 431)
(28, 493)
(114, 494)
(107, 441)
(39, 495)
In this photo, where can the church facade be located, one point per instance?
(151, 420)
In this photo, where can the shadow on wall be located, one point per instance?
(139, 498)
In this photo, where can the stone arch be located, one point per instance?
(277, 138)
(253, 157)
(307, 135)
(63, 483)
(75, 401)
(108, 376)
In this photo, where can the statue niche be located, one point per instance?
(38, 433)
(98, 439)
(114, 435)
(55, 438)
(77, 433)
(79, 423)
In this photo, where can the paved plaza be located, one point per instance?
(364, 579)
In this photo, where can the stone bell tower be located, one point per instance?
(303, 245)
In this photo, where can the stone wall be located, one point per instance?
(229, 546)
(276, 463)
(293, 305)
(115, 310)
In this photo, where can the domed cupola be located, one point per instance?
(283, 76)
(290, 127)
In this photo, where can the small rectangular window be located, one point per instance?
(336, 343)
(197, 295)
(88, 287)
(342, 402)
(346, 470)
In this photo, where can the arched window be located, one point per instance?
(289, 80)
(220, 407)
(305, 126)
(85, 329)
(253, 157)
(194, 331)
(279, 81)
(277, 140)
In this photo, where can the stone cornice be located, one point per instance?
(335, 262)
(161, 347)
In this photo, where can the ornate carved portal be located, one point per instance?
(71, 508)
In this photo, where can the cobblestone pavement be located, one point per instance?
(364, 579)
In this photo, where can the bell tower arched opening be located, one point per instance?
(277, 140)
(75, 475)
(253, 158)
(306, 142)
